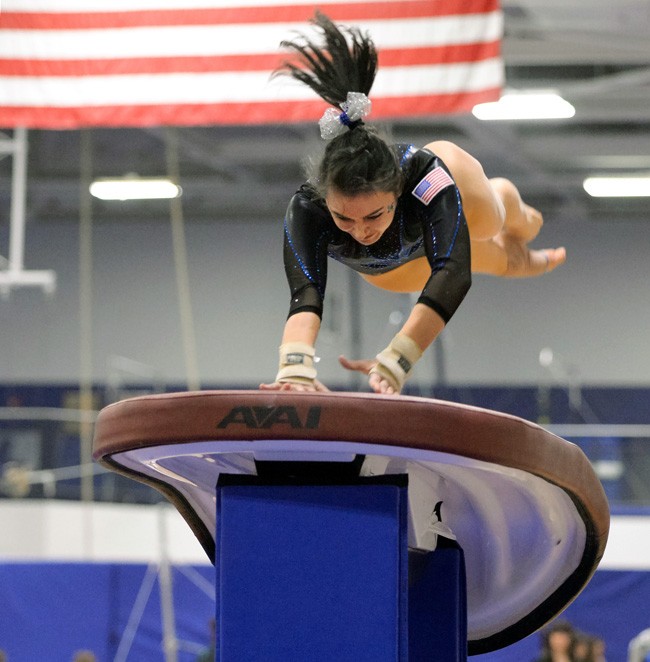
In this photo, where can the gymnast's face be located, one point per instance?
(364, 216)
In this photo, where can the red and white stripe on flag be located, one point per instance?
(74, 63)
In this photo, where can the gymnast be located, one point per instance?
(407, 219)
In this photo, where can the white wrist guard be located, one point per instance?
(395, 363)
(296, 364)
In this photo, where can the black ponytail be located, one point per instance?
(358, 160)
(347, 62)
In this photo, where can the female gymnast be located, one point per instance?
(407, 219)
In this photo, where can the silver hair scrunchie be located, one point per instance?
(333, 123)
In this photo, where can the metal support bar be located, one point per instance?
(15, 274)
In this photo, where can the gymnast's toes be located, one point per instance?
(554, 257)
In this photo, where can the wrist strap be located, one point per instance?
(296, 363)
(396, 362)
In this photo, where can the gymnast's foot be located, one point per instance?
(525, 262)
(526, 225)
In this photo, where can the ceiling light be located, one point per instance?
(540, 105)
(134, 188)
(618, 187)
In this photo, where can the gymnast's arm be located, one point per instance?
(305, 264)
(448, 251)
(447, 247)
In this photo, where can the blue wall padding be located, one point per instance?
(50, 610)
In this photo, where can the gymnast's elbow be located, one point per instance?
(465, 282)
(462, 282)
(459, 282)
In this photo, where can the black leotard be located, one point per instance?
(436, 230)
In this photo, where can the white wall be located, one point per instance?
(594, 311)
(70, 531)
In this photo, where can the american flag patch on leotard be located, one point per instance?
(432, 184)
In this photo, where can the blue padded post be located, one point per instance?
(318, 572)
(438, 604)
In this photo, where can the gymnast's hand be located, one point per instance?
(377, 383)
(317, 387)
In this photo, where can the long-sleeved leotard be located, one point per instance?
(429, 221)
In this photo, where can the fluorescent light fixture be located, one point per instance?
(540, 105)
(134, 188)
(618, 187)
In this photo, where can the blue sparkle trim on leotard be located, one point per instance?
(434, 243)
(434, 239)
(296, 255)
(402, 255)
(452, 243)
(459, 206)
(319, 282)
(408, 153)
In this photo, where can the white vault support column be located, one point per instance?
(12, 271)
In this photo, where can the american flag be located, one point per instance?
(75, 63)
(431, 184)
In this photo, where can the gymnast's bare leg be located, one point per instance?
(500, 224)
